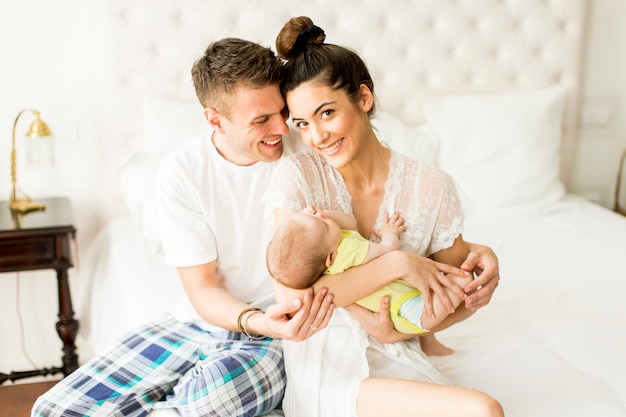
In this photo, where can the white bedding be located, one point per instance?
(551, 342)
(126, 284)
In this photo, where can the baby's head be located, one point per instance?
(303, 246)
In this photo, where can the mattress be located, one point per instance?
(550, 343)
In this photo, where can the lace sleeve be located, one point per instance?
(449, 221)
(288, 189)
(304, 179)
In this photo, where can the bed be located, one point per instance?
(488, 90)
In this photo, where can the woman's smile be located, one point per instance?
(333, 148)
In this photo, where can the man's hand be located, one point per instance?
(299, 319)
(484, 263)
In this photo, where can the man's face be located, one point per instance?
(254, 130)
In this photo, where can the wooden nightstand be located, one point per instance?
(42, 240)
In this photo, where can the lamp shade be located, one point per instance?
(39, 144)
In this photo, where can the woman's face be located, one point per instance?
(328, 121)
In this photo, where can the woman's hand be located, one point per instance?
(484, 262)
(431, 278)
(378, 325)
(298, 318)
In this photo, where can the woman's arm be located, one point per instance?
(455, 254)
(422, 273)
(484, 263)
(379, 325)
(359, 281)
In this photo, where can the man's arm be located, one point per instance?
(290, 319)
(212, 302)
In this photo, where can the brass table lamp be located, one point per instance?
(20, 202)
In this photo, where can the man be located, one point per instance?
(219, 353)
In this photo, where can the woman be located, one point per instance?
(345, 370)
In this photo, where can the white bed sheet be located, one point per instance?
(124, 284)
(551, 342)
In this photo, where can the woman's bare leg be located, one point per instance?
(390, 397)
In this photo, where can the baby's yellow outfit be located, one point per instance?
(351, 252)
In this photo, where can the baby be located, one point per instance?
(314, 242)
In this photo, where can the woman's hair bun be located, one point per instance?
(296, 36)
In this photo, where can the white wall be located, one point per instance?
(51, 60)
(49, 63)
(604, 96)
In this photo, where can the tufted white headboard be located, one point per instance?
(414, 49)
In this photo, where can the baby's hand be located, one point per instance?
(309, 210)
(394, 225)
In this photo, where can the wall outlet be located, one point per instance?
(598, 117)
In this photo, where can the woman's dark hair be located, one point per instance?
(301, 45)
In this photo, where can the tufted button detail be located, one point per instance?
(557, 78)
(413, 48)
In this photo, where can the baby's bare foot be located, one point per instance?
(433, 347)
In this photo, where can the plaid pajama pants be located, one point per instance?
(179, 365)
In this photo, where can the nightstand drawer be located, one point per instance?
(27, 252)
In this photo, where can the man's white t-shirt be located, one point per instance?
(211, 209)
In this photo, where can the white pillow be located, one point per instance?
(417, 142)
(168, 123)
(136, 182)
(504, 150)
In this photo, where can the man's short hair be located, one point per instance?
(229, 64)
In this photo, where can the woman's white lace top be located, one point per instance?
(424, 194)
